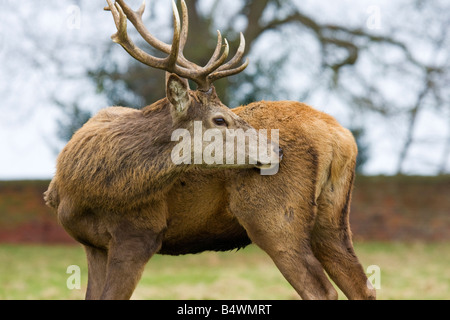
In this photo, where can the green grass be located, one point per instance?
(408, 271)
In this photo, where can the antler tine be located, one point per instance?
(141, 9)
(226, 70)
(213, 64)
(237, 57)
(114, 13)
(172, 58)
(135, 18)
(121, 37)
(218, 48)
(226, 73)
(184, 27)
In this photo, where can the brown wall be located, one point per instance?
(24, 217)
(401, 208)
(383, 208)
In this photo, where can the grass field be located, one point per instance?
(408, 271)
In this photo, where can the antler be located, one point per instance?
(175, 62)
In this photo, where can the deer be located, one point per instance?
(122, 217)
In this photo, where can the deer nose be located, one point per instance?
(280, 152)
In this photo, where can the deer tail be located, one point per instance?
(51, 196)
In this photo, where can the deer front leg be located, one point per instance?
(129, 251)
(97, 259)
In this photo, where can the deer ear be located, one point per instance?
(177, 92)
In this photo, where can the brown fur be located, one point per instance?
(298, 216)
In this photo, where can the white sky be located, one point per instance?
(28, 147)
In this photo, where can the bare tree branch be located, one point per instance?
(253, 11)
(413, 113)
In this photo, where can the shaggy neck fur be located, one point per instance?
(120, 155)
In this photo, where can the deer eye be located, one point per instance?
(220, 121)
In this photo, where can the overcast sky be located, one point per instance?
(35, 38)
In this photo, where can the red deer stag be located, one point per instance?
(298, 216)
(112, 178)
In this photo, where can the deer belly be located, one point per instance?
(195, 231)
(205, 238)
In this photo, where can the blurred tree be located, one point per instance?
(367, 64)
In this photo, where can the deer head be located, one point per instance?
(188, 107)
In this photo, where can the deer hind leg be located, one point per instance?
(332, 244)
(303, 271)
(285, 240)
